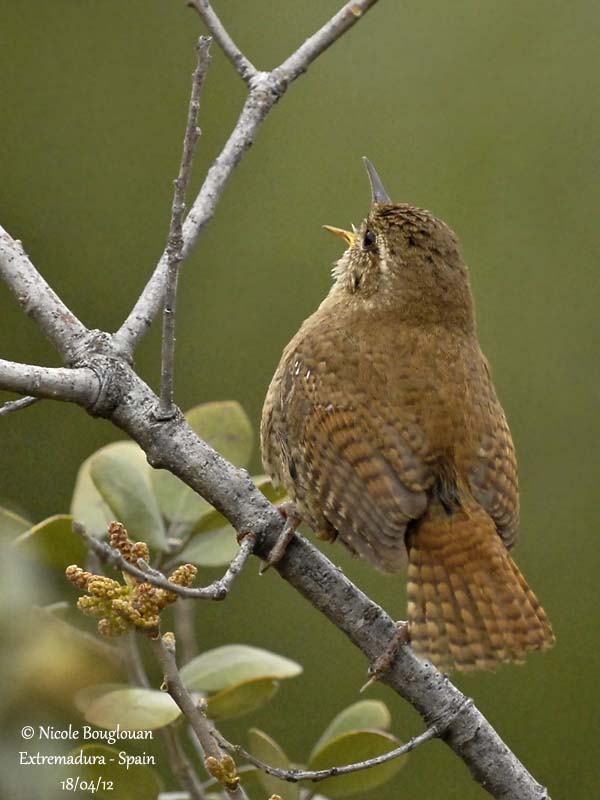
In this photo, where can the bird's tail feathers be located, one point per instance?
(468, 604)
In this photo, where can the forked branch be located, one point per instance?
(266, 88)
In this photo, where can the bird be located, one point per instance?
(383, 426)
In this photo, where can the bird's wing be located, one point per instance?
(363, 477)
(493, 475)
(493, 481)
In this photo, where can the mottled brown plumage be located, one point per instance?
(383, 426)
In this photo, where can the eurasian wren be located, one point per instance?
(383, 425)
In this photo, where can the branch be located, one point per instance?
(214, 758)
(175, 238)
(298, 62)
(295, 775)
(243, 65)
(38, 300)
(57, 383)
(178, 760)
(266, 89)
(16, 405)
(218, 590)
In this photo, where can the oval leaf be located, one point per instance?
(113, 779)
(120, 474)
(241, 698)
(87, 504)
(371, 714)
(11, 524)
(53, 542)
(178, 503)
(132, 709)
(233, 664)
(84, 697)
(350, 748)
(263, 747)
(225, 426)
(212, 549)
(221, 546)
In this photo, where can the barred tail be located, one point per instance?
(468, 605)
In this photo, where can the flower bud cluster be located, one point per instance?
(135, 604)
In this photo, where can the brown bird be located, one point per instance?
(383, 425)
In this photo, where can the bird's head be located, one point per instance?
(405, 260)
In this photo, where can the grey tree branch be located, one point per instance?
(164, 651)
(16, 405)
(295, 775)
(266, 88)
(58, 383)
(175, 239)
(178, 760)
(242, 64)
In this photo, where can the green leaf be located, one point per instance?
(119, 472)
(232, 664)
(132, 709)
(263, 747)
(214, 540)
(114, 779)
(225, 426)
(179, 504)
(53, 542)
(87, 504)
(86, 696)
(11, 524)
(350, 748)
(365, 714)
(242, 698)
(214, 548)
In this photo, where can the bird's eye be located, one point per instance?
(369, 239)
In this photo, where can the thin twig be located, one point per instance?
(243, 65)
(218, 590)
(17, 405)
(178, 760)
(175, 238)
(266, 89)
(320, 41)
(295, 775)
(164, 649)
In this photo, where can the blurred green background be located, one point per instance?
(487, 114)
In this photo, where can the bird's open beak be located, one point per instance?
(348, 236)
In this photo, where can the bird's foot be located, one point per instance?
(293, 518)
(385, 660)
